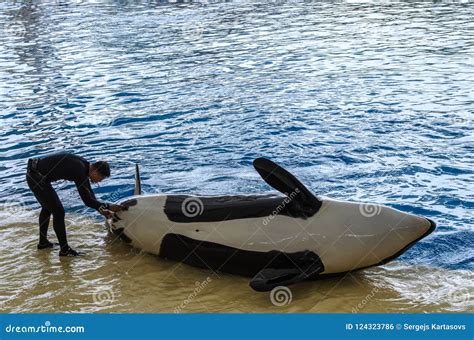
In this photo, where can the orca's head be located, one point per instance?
(351, 235)
(402, 230)
(408, 228)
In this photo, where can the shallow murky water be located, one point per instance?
(112, 277)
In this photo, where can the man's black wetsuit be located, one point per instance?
(60, 166)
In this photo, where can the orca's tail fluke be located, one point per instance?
(138, 183)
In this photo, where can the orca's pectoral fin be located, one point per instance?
(269, 278)
(286, 183)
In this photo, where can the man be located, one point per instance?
(65, 166)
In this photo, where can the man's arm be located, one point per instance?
(88, 197)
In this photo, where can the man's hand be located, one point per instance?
(116, 207)
(107, 213)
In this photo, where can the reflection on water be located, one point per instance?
(363, 102)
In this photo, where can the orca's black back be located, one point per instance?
(190, 209)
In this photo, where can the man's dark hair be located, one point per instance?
(102, 168)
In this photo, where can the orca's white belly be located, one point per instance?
(341, 234)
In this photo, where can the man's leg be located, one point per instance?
(58, 221)
(44, 218)
(49, 200)
(37, 187)
(56, 207)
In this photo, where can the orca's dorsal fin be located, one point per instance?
(286, 183)
(138, 183)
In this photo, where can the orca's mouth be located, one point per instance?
(431, 229)
(129, 203)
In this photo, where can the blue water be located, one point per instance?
(362, 102)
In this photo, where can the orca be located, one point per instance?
(276, 239)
